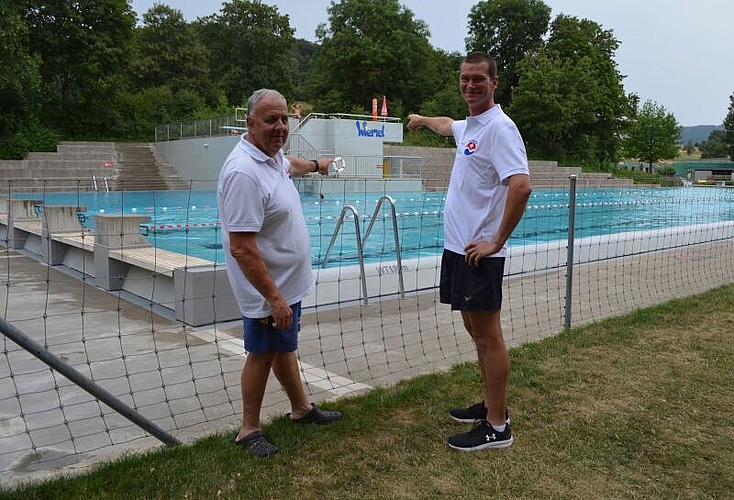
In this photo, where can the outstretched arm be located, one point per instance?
(439, 124)
(300, 167)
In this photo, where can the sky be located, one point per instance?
(676, 53)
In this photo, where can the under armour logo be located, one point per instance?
(490, 437)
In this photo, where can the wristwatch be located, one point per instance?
(315, 166)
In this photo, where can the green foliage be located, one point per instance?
(370, 49)
(19, 78)
(428, 139)
(508, 30)
(729, 127)
(83, 49)
(169, 53)
(570, 104)
(141, 112)
(252, 44)
(84, 71)
(554, 95)
(715, 146)
(653, 135)
(31, 136)
(303, 52)
(446, 102)
(582, 39)
(667, 170)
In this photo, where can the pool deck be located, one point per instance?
(118, 257)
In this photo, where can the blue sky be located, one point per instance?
(674, 52)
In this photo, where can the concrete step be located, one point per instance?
(138, 169)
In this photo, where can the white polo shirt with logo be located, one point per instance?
(489, 149)
(256, 194)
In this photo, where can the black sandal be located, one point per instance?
(318, 416)
(256, 444)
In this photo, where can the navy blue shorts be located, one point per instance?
(261, 337)
(471, 288)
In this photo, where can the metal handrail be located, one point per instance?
(363, 276)
(300, 140)
(389, 199)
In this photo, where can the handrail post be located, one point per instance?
(363, 276)
(569, 257)
(396, 236)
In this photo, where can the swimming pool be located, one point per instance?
(187, 221)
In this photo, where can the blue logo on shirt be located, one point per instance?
(470, 148)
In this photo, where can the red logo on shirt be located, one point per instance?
(470, 148)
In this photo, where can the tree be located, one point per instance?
(20, 128)
(303, 53)
(507, 30)
(653, 135)
(554, 96)
(715, 146)
(252, 45)
(575, 39)
(372, 48)
(729, 128)
(19, 79)
(570, 96)
(84, 50)
(170, 53)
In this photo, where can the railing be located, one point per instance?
(362, 275)
(396, 236)
(362, 242)
(300, 147)
(96, 187)
(224, 125)
(385, 167)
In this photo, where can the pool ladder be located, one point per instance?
(94, 183)
(361, 243)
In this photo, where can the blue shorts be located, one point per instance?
(261, 337)
(471, 288)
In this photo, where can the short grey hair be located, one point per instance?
(259, 94)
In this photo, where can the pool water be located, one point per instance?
(187, 221)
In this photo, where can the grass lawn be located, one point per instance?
(635, 407)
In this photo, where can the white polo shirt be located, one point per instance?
(489, 149)
(256, 194)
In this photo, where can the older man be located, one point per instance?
(268, 263)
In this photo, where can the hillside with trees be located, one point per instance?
(93, 71)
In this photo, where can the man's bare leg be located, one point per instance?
(253, 380)
(285, 367)
(486, 331)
